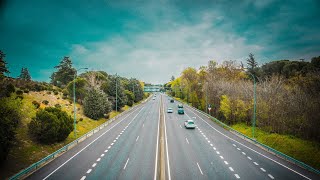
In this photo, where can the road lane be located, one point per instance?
(115, 142)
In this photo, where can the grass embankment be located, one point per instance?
(302, 150)
(27, 151)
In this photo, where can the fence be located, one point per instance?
(52, 156)
(278, 153)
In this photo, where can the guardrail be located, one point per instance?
(23, 173)
(269, 149)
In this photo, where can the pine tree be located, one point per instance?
(3, 65)
(251, 62)
(65, 73)
(25, 75)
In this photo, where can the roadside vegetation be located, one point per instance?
(288, 100)
(36, 118)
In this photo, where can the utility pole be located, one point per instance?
(207, 97)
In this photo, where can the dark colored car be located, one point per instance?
(172, 100)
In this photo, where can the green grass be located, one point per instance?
(302, 150)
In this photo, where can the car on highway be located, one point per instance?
(180, 111)
(172, 100)
(180, 106)
(189, 124)
(169, 110)
(153, 98)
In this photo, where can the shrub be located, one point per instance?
(10, 89)
(55, 92)
(9, 120)
(57, 105)
(96, 104)
(48, 92)
(19, 97)
(26, 91)
(19, 92)
(36, 104)
(65, 92)
(81, 119)
(46, 102)
(51, 125)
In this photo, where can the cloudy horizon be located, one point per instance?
(153, 40)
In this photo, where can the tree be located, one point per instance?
(64, 74)
(251, 62)
(51, 125)
(172, 78)
(25, 75)
(9, 120)
(3, 65)
(81, 89)
(96, 104)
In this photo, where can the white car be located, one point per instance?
(170, 110)
(153, 98)
(189, 124)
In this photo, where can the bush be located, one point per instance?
(19, 92)
(10, 89)
(57, 105)
(55, 92)
(46, 102)
(19, 97)
(51, 125)
(81, 119)
(65, 92)
(26, 91)
(96, 104)
(9, 120)
(36, 104)
(48, 92)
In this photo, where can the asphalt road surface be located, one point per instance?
(128, 149)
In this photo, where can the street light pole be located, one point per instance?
(116, 93)
(74, 103)
(207, 97)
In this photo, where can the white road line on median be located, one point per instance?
(251, 148)
(270, 176)
(94, 164)
(90, 143)
(187, 140)
(221, 157)
(83, 178)
(226, 162)
(256, 163)
(199, 168)
(98, 159)
(237, 176)
(156, 161)
(102, 155)
(126, 164)
(231, 169)
(89, 171)
(165, 134)
(249, 158)
(137, 138)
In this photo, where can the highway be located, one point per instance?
(129, 149)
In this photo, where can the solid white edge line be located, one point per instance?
(156, 162)
(165, 134)
(90, 143)
(199, 168)
(251, 148)
(126, 164)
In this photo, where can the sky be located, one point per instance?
(155, 39)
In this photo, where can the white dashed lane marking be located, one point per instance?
(234, 145)
(94, 164)
(102, 155)
(226, 162)
(211, 145)
(263, 170)
(199, 168)
(239, 149)
(243, 153)
(83, 178)
(137, 138)
(231, 169)
(98, 159)
(187, 140)
(237, 176)
(218, 152)
(270, 176)
(221, 157)
(126, 164)
(89, 171)
(249, 158)
(256, 163)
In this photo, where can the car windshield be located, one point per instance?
(190, 122)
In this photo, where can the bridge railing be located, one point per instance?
(32, 168)
(268, 148)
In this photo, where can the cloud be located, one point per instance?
(154, 56)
